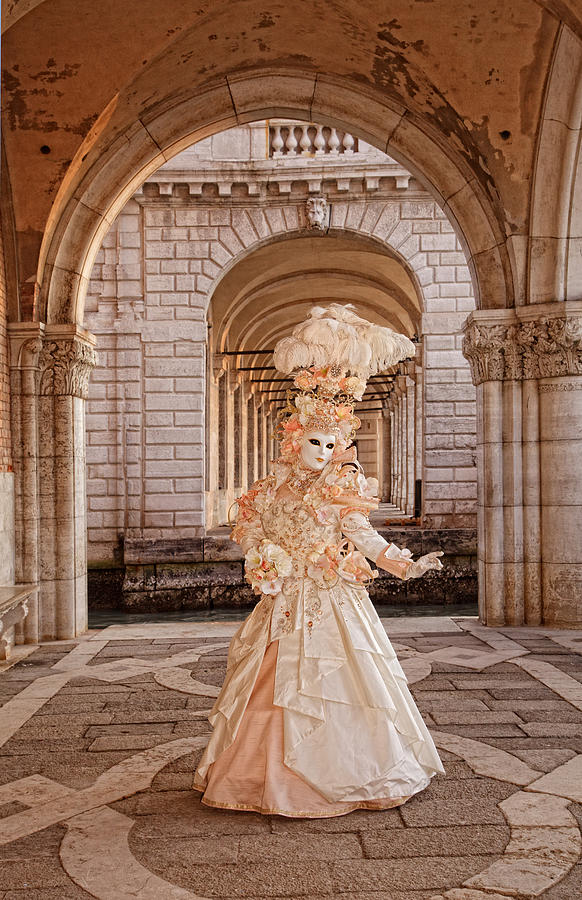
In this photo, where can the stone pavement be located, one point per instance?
(99, 738)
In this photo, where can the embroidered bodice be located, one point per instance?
(291, 523)
(315, 528)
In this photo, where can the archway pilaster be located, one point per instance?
(527, 367)
(50, 368)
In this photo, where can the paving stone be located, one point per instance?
(534, 692)
(34, 846)
(566, 716)
(490, 681)
(522, 706)
(470, 717)
(436, 873)
(569, 888)
(106, 730)
(96, 687)
(551, 729)
(32, 873)
(138, 703)
(172, 781)
(436, 813)
(359, 820)
(433, 683)
(417, 842)
(273, 878)
(484, 730)
(147, 651)
(566, 780)
(521, 876)
(125, 742)
(159, 715)
(198, 851)
(537, 743)
(69, 892)
(460, 703)
(193, 727)
(15, 747)
(291, 847)
(544, 760)
(181, 814)
(10, 809)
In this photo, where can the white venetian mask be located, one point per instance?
(317, 449)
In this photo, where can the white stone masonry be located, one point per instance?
(151, 286)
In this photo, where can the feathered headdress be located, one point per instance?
(332, 354)
(336, 336)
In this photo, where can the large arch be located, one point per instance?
(472, 163)
(250, 309)
(80, 221)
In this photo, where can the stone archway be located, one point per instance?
(80, 220)
(263, 260)
(86, 207)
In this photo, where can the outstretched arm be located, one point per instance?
(357, 528)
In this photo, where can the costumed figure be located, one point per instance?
(315, 717)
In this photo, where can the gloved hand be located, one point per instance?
(424, 564)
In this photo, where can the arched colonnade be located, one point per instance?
(523, 342)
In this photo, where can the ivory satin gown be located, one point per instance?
(314, 717)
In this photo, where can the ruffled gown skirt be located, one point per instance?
(314, 718)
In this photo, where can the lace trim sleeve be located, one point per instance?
(356, 526)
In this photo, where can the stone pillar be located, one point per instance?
(386, 461)
(401, 442)
(50, 379)
(527, 366)
(419, 431)
(393, 448)
(252, 450)
(410, 450)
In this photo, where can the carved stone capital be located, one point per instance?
(542, 341)
(65, 366)
(26, 339)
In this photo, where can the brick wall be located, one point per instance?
(150, 289)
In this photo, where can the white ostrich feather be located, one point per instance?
(336, 335)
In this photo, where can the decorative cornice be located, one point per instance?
(515, 345)
(65, 366)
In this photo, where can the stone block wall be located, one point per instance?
(151, 286)
(449, 402)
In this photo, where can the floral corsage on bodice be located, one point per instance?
(289, 529)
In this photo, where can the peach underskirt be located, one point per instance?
(251, 775)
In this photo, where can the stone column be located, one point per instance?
(419, 430)
(25, 346)
(393, 448)
(410, 457)
(252, 441)
(50, 379)
(527, 366)
(385, 466)
(401, 442)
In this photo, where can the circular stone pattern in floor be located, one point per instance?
(451, 831)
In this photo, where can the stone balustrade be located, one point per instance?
(309, 140)
(276, 157)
